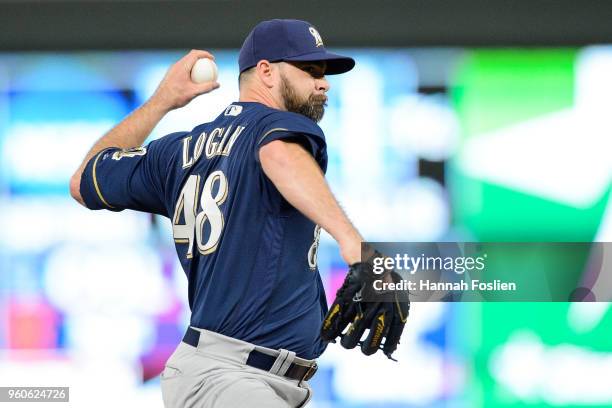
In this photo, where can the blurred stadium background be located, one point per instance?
(477, 130)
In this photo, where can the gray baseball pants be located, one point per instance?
(214, 375)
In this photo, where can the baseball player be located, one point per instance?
(246, 195)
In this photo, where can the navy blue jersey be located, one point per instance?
(249, 256)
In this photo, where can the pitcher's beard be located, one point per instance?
(313, 107)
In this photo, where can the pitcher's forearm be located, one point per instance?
(300, 180)
(131, 131)
(135, 128)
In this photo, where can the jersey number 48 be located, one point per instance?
(195, 222)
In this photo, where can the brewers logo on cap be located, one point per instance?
(317, 36)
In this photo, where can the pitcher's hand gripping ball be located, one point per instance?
(359, 306)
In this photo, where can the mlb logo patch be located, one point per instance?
(233, 110)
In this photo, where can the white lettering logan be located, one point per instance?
(218, 143)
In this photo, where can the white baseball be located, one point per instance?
(204, 70)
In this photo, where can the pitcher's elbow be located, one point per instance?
(75, 187)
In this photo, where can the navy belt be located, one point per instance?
(261, 360)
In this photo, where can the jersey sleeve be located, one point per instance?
(293, 127)
(116, 179)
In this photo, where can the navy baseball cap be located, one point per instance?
(289, 40)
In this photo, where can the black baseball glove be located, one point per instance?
(360, 306)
